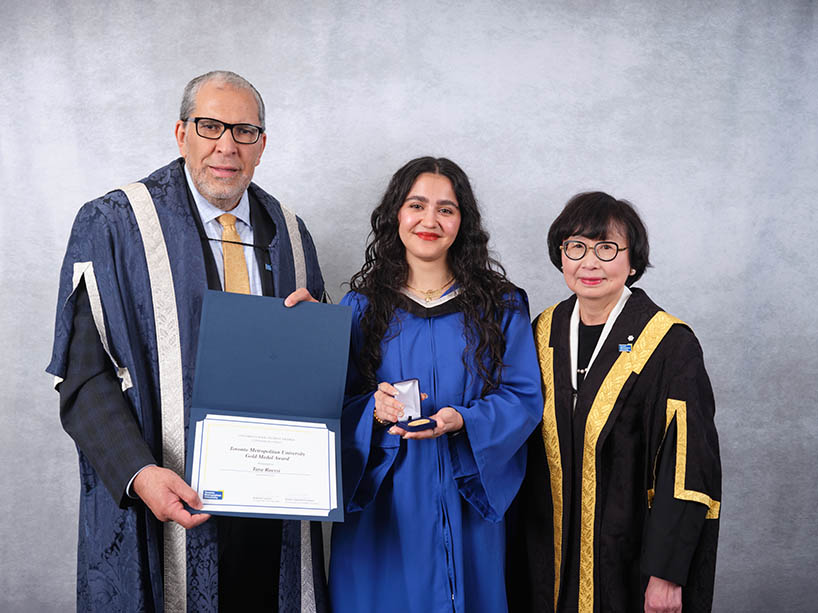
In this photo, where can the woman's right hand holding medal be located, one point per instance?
(388, 409)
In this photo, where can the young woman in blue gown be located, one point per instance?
(424, 527)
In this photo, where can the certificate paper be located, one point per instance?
(264, 466)
(265, 415)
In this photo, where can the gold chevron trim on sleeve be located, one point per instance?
(678, 408)
(626, 363)
(550, 438)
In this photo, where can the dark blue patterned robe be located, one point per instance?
(119, 554)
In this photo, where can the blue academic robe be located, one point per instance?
(424, 528)
(119, 552)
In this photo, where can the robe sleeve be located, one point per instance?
(488, 457)
(687, 487)
(95, 412)
(367, 452)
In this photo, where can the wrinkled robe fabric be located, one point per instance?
(119, 552)
(424, 529)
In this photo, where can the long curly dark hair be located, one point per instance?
(486, 292)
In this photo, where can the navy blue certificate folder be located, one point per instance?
(259, 359)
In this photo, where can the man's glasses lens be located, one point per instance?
(244, 133)
(604, 250)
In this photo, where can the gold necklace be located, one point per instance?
(431, 294)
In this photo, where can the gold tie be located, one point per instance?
(235, 266)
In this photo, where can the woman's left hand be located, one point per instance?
(663, 596)
(448, 420)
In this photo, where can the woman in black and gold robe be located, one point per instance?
(620, 504)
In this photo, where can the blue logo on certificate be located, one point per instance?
(625, 348)
(213, 494)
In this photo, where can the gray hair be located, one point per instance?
(223, 76)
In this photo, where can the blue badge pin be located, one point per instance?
(625, 347)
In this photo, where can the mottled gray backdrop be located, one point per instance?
(702, 113)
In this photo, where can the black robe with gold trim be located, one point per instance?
(627, 484)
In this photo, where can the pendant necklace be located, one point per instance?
(431, 294)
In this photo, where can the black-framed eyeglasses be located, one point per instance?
(243, 133)
(604, 250)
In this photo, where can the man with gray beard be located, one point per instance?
(136, 268)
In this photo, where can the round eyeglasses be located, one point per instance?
(243, 133)
(604, 250)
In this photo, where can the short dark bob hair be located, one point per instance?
(593, 215)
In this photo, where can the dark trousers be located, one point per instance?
(249, 563)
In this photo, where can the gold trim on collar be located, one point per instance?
(678, 408)
(550, 438)
(604, 402)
